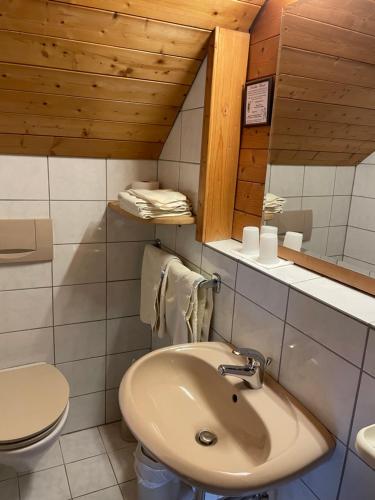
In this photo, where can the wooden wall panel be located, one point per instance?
(226, 76)
(326, 82)
(106, 76)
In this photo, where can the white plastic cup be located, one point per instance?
(293, 241)
(268, 249)
(250, 241)
(269, 230)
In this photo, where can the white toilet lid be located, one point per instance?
(33, 398)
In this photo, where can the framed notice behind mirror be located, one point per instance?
(258, 102)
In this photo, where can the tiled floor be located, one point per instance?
(93, 464)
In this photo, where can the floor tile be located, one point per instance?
(50, 458)
(34, 486)
(112, 493)
(9, 490)
(80, 445)
(129, 490)
(89, 475)
(6, 472)
(111, 435)
(123, 463)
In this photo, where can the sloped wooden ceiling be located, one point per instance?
(102, 78)
(324, 108)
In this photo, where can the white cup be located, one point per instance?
(293, 241)
(269, 230)
(268, 249)
(250, 241)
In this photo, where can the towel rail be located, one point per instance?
(214, 282)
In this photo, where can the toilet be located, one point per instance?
(34, 405)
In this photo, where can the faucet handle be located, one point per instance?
(252, 355)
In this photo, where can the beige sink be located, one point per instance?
(263, 436)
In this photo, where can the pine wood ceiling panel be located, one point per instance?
(79, 84)
(206, 14)
(13, 101)
(101, 26)
(58, 53)
(68, 146)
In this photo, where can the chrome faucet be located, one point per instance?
(252, 373)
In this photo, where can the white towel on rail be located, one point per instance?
(185, 309)
(154, 271)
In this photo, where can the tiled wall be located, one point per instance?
(360, 240)
(80, 311)
(318, 353)
(326, 191)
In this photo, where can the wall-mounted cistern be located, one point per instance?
(252, 373)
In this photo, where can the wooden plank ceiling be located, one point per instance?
(324, 109)
(102, 78)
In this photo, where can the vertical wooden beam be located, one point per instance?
(226, 74)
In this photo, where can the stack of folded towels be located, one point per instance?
(148, 204)
(273, 204)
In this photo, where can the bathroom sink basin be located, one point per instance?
(262, 436)
(365, 444)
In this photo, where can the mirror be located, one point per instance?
(322, 141)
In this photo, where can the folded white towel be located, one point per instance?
(159, 197)
(185, 309)
(273, 203)
(154, 272)
(143, 209)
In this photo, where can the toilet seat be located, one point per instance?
(33, 400)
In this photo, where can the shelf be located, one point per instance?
(180, 220)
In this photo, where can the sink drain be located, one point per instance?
(206, 438)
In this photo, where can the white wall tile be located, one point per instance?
(23, 178)
(187, 246)
(341, 297)
(318, 241)
(168, 174)
(191, 135)
(79, 341)
(340, 210)
(78, 221)
(117, 364)
(292, 274)
(121, 173)
(293, 203)
(28, 346)
(223, 312)
(315, 376)
(75, 264)
(360, 244)
(365, 408)
(124, 260)
(369, 365)
(79, 303)
(167, 235)
(256, 328)
(364, 181)
(24, 209)
(127, 334)
(77, 178)
(358, 481)
(336, 331)
(344, 180)
(321, 208)
(189, 182)
(362, 212)
(287, 180)
(195, 97)
(85, 411)
(25, 309)
(264, 291)
(324, 480)
(112, 408)
(319, 181)
(123, 298)
(121, 229)
(336, 240)
(30, 275)
(172, 147)
(84, 376)
(215, 262)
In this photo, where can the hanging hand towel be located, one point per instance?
(154, 271)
